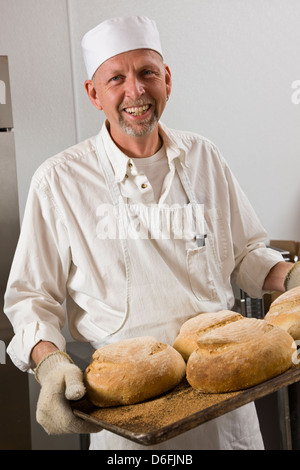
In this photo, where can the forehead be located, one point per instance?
(136, 58)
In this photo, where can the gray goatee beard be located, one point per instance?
(142, 129)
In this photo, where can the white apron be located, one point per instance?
(235, 430)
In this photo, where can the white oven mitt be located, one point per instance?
(61, 380)
(292, 279)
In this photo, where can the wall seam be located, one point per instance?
(71, 53)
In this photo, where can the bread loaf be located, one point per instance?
(192, 329)
(236, 354)
(285, 312)
(132, 371)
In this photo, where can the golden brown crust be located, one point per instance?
(284, 312)
(132, 371)
(239, 355)
(194, 328)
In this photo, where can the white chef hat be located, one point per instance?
(118, 35)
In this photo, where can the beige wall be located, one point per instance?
(234, 64)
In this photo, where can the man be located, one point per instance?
(151, 280)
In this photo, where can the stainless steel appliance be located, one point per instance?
(14, 393)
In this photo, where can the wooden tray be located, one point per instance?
(177, 411)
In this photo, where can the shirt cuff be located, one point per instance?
(20, 347)
(254, 270)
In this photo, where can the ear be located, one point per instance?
(168, 79)
(92, 94)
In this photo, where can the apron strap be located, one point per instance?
(187, 186)
(120, 214)
(185, 181)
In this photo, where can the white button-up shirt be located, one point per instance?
(69, 249)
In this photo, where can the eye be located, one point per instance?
(148, 72)
(116, 79)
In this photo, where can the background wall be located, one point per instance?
(234, 64)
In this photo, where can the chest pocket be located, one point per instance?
(200, 275)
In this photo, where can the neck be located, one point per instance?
(138, 147)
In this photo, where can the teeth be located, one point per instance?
(137, 111)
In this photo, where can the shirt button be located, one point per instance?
(130, 165)
(144, 185)
(126, 176)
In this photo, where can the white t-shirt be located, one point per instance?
(156, 169)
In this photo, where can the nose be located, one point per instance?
(135, 88)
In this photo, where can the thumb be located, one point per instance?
(75, 388)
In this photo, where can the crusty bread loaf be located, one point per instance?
(238, 354)
(285, 312)
(192, 329)
(131, 371)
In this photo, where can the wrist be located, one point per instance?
(275, 278)
(42, 349)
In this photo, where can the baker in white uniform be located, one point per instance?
(109, 228)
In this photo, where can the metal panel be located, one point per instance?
(14, 391)
(9, 211)
(6, 118)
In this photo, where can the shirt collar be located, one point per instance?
(175, 147)
(119, 161)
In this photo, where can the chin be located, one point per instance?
(140, 130)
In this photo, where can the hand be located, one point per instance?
(292, 279)
(61, 380)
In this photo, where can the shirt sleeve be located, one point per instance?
(36, 287)
(253, 259)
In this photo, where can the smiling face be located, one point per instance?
(132, 90)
